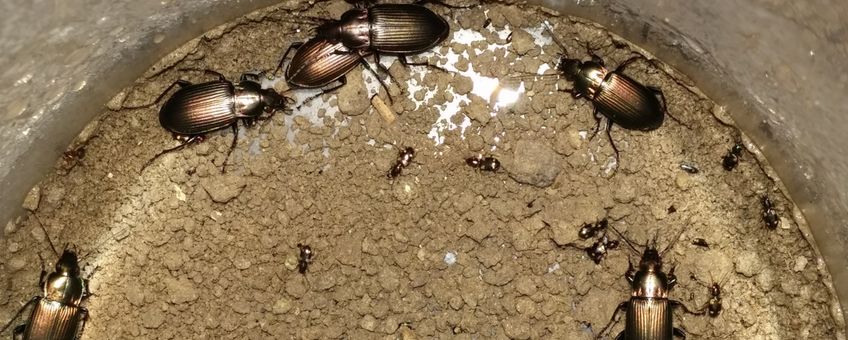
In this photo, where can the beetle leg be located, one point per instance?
(618, 309)
(659, 94)
(407, 63)
(180, 82)
(627, 62)
(16, 331)
(293, 46)
(342, 82)
(675, 303)
(383, 67)
(612, 142)
(382, 83)
(439, 2)
(81, 325)
(679, 332)
(232, 147)
(191, 139)
(597, 117)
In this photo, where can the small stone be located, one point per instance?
(11, 228)
(223, 188)
(14, 247)
(282, 306)
(16, 263)
(450, 258)
(241, 263)
(181, 291)
(462, 85)
(173, 261)
(475, 143)
(765, 280)
(291, 262)
(624, 193)
(368, 323)
(522, 42)
(134, 295)
(534, 163)
(748, 264)
(517, 327)
(152, 317)
(353, 98)
(683, 181)
(800, 263)
(32, 199)
(478, 110)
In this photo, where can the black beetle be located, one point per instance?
(619, 98)
(770, 216)
(484, 163)
(405, 157)
(731, 159)
(58, 313)
(701, 243)
(196, 109)
(304, 258)
(649, 310)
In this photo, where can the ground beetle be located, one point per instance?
(731, 159)
(619, 98)
(405, 157)
(649, 310)
(196, 109)
(58, 313)
(770, 216)
(484, 163)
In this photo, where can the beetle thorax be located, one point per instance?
(63, 288)
(650, 284)
(354, 29)
(247, 100)
(590, 79)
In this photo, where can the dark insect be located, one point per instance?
(713, 306)
(305, 258)
(770, 216)
(619, 98)
(731, 159)
(589, 230)
(649, 312)
(692, 169)
(598, 250)
(405, 157)
(701, 243)
(197, 109)
(672, 209)
(72, 157)
(57, 313)
(396, 29)
(484, 163)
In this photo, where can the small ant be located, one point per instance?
(701, 243)
(484, 163)
(305, 258)
(770, 216)
(72, 158)
(405, 157)
(599, 249)
(731, 159)
(713, 306)
(589, 230)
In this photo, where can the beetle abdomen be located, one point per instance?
(199, 108)
(405, 28)
(648, 319)
(629, 103)
(320, 62)
(53, 320)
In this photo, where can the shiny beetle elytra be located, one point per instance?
(58, 313)
(649, 311)
(484, 163)
(196, 109)
(319, 62)
(621, 99)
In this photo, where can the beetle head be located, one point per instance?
(273, 101)
(570, 68)
(68, 263)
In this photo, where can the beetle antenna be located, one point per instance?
(554, 38)
(626, 240)
(672, 242)
(46, 234)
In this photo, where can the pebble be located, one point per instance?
(353, 98)
(368, 323)
(522, 42)
(152, 317)
(534, 163)
(223, 188)
(462, 85)
(800, 263)
(32, 199)
(748, 264)
(11, 228)
(181, 290)
(517, 327)
(241, 263)
(16, 263)
(282, 306)
(450, 258)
